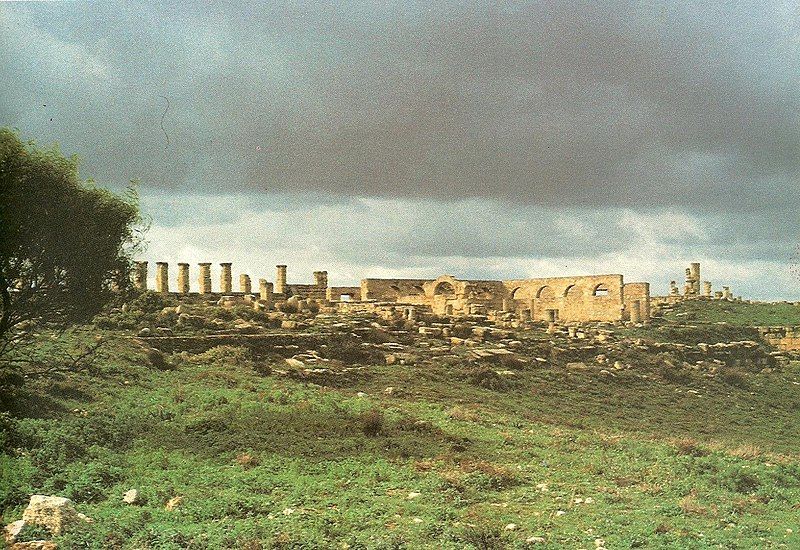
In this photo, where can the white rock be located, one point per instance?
(131, 497)
(560, 513)
(511, 527)
(413, 495)
(12, 530)
(535, 540)
(53, 513)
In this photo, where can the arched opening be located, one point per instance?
(600, 290)
(571, 290)
(516, 294)
(444, 289)
(418, 289)
(545, 293)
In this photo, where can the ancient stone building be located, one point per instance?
(580, 298)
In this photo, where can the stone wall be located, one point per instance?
(335, 293)
(636, 296)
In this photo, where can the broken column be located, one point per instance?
(140, 275)
(694, 270)
(280, 280)
(244, 283)
(321, 279)
(673, 288)
(225, 278)
(726, 293)
(183, 278)
(162, 277)
(204, 278)
(265, 291)
(707, 289)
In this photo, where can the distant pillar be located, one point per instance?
(673, 288)
(204, 278)
(162, 277)
(280, 280)
(265, 291)
(718, 295)
(183, 278)
(244, 283)
(225, 278)
(140, 275)
(694, 269)
(707, 289)
(321, 279)
(636, 311)
(506, 305)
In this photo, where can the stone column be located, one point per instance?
(244, 283)
(265, 291)
(183, 278)
(726, 293)
(718, 295)
(636, 311)
(140, 275)
(162, 277)
(204, 278)
(673, 288)
(506, 305)
(707, 289)
(280, 280)
(225, 278)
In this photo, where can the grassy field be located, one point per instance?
(262, 460)
(736, 313)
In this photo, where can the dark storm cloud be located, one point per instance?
(552, 103)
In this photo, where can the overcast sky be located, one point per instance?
(397, 139)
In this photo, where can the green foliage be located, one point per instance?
(266, 461)
(64, 243)
(738, 314)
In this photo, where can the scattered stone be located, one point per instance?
(412, 495)
(389, 390)
(294, 363)
(143, 333)
(131, 497)
(535, 540)
(173, 503)
(511, 527)
(55, 514)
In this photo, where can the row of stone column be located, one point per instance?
(203, 279)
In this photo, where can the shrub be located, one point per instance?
(371, 422)
(487, 378)
(735, 377)
(157, 360)
(690, 447)
(483, 537)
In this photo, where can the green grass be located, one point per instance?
(736, 313)
(264, 461)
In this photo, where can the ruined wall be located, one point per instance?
(391, 289)
(636, 296)
(783, 338)
(335, 293)
(581, 298)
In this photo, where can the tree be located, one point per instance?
(65, 245)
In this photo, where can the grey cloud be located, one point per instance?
(587, 104)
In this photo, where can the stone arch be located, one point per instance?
(600, 290)
(545, 293)
(571, 290)
(444, 288)
(517, 293)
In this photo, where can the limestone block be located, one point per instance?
(53, 513)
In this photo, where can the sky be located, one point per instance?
(402, 139)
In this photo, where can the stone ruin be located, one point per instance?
(693, 288)
(604, 298)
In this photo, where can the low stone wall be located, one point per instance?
(283, 344)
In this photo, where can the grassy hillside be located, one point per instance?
(736, 313)
(453, 456)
